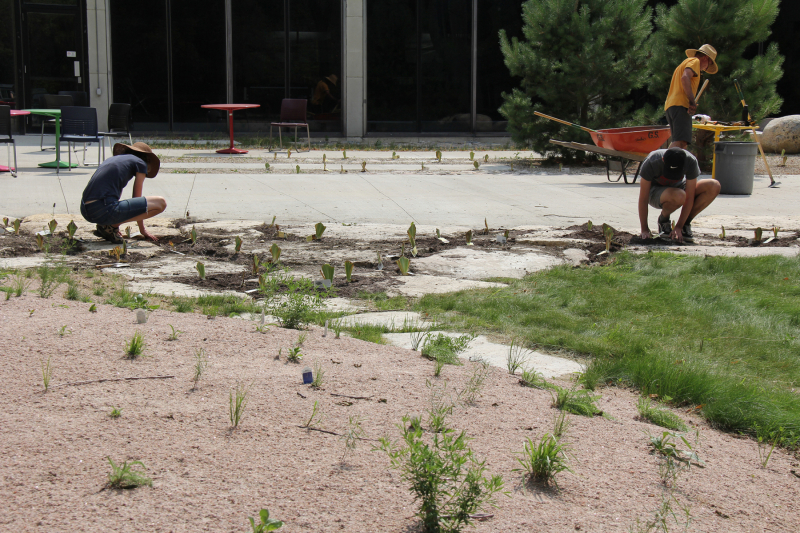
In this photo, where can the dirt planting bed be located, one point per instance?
(208, 477)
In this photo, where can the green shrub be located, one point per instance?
(541, 462)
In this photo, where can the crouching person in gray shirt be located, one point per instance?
(669, 181)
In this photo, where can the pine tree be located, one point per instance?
(579, 61)
(730, 26)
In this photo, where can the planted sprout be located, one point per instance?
(193, 235)
(124, 247)
(403, 263)
(275, 158)
(324, 158)
(486, 158)
(471, 156)
(16, 226)
(275, 250)
(516, 357)
(267, 523)
(327, 272)
(200, 365)
(319, 375)
(237, 400)
(266, 166)
(439, 155)
(363, 166)
(116, 252)
(722, 235)
(505, 234)
(775, 230)
(315, 420)
(476, 165)
(174, 335)
(64, 331)
(320, 229)
(293, 355)
(125, 477)
(353, 434)
(5, 222)
(238, 246)
(47, 373)
(93, 308)
(486, 227)
(758, 232)
(40, 241)
(784, 157)
(423, 167)
(273, 221)
(72, 228)
(52, 225)
(297, 169)
(348, 270)
(589, 225)
(541, 462)
(344, 154)
(608, 233)
(412, 238)
(395, 156)
(201, 270)
(256, 263)
(342, 170)
(115, 412)
(468, 235)
(127, 232)
(135, 346)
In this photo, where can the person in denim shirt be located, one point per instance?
(101, 202)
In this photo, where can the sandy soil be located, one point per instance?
(208, 478)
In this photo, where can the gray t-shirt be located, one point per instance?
(112, 176)
(653, 170)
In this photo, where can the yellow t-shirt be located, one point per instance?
(676, 95)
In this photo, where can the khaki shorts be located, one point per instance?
(680, 123)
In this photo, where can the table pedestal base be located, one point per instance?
(232, 151)
(59, 164)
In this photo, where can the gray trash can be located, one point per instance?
(736, 163)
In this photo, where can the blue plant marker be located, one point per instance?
(308, 376)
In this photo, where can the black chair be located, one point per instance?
(5, 129)
(119, 123)
(79, 98)
(79, 125)
(53, 101)
(293, 115)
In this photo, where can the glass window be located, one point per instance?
(391, 66)
(54, 2)
(315, 37)
(8, 93)
(493, 77)
(51, 36)
(139, 61)
(259, 61)
(198, 64)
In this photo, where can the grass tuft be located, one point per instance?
(658, 416)
(135, 346)
(125, 477)
(576, 401)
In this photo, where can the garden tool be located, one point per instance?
(564, 122)
(747, 119)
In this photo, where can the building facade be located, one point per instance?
(365, 67)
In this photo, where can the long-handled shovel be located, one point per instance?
(772, 183)
(564, 122)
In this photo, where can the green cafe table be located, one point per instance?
(56, 114)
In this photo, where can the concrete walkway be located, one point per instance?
(445, 195)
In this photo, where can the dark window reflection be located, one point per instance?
(259, 61)
(315, 37)
(139, 61)
(54, 2)
(493, 76)
(50, 37)
(198, 63)
(445, 65)
(8, 93)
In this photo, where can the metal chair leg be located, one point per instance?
(280, 137)
(308, 133)
(41, 139)
(69, 151)
(16, 172)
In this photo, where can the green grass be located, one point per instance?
(720, 333)
(382, 302)
(366, 332)
(226, 305)
(658, 416)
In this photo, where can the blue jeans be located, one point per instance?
(110, 211)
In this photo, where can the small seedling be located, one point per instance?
(531, 378)
(30, 312)
(758, 233)
(541, 462)
(40, 242)
(93, 308)
(275, 251)
(271, 224)
(403, 264)
(175, 333)
(589, 225)
(266, 166)
(124, 248)
(353, 434)
(201, 270)
(125, 477)
(576, 401)
(337, 326)
(63, 331)
(722, 235)
(127, 232)
(238, 245)
(275, 158)
(237, 400)
(72, 228)
(342, 170)
(267, 523)
(505, 234)
(297, 169)
(294, 355)
(116, 252)
(363, 166)
(439, 155)
(608, 233)
(468, 236)
(200, 365)
(485, 227)
(423, 167)
(327, 272)
(255, 264)
(193, 235)
(476, 165)
(47, 373)
(316, 418)
(561, 424)
(319, 375)
(486, 158)
(418, 337)
(472, 390)
(784, 157)
(5, 222)
(348, 270)
(344, 154)
(412, 238)
(324, 158)
(115, 412)
(52, 225)
(135, 346)
(516, 357)
(320, 229)
(667, 444)
(471, 156)
(395, 156)
(16, 226)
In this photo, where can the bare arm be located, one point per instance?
(138, 185)
(644, 198)
(686, 83)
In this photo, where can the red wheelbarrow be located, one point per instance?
(620, 146)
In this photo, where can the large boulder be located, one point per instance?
(782, 134)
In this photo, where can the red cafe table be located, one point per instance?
(14, 113)
(230, 108)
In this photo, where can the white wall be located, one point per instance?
(99, 62)
(354, 67)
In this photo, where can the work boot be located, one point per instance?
(664, 226)
(109, 233)
(688, 236)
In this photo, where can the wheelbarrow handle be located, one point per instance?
(563, 122)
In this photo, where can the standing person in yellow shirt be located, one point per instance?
(681, 103)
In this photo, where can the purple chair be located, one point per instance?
(293, 115)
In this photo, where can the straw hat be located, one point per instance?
(710, 52)
(153, 163)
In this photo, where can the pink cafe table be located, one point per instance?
(14, 113)
(230, 108)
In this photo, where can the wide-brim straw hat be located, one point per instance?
(153, 162)
(710, 52)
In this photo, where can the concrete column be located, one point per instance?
(99, 59)
(355, 59)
